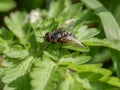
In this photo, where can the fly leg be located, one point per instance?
(59, 53)
(46, 47)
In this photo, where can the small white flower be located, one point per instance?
(33, 16)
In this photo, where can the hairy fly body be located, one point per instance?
(58, 36)
(62, 35)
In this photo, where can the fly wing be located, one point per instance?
(73, 40)
(68, 25)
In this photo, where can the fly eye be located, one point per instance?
(47, 33)
(47, 37)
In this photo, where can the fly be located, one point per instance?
(62, 34)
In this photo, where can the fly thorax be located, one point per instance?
(66, 34)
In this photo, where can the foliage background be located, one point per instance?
(25, 64)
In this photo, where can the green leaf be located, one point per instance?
(6, 5)
(93, 73)
(70, 12)
(17, 52)
(70, 84)
(90, 75)
(95, 68)
(41, 73)
(65, 85)
(111, 28)
(84, 33)
(110, 25)
(5, 34)
(114, 8)
(113, 81)
(91, 81)
(76, 48)
(57, 9)
(50, 55)
(15, 23)
(74, 58)
(4, 47)
(114, 44)
(99, 85)
(17, 76)
(85, 67)
(57, 76)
